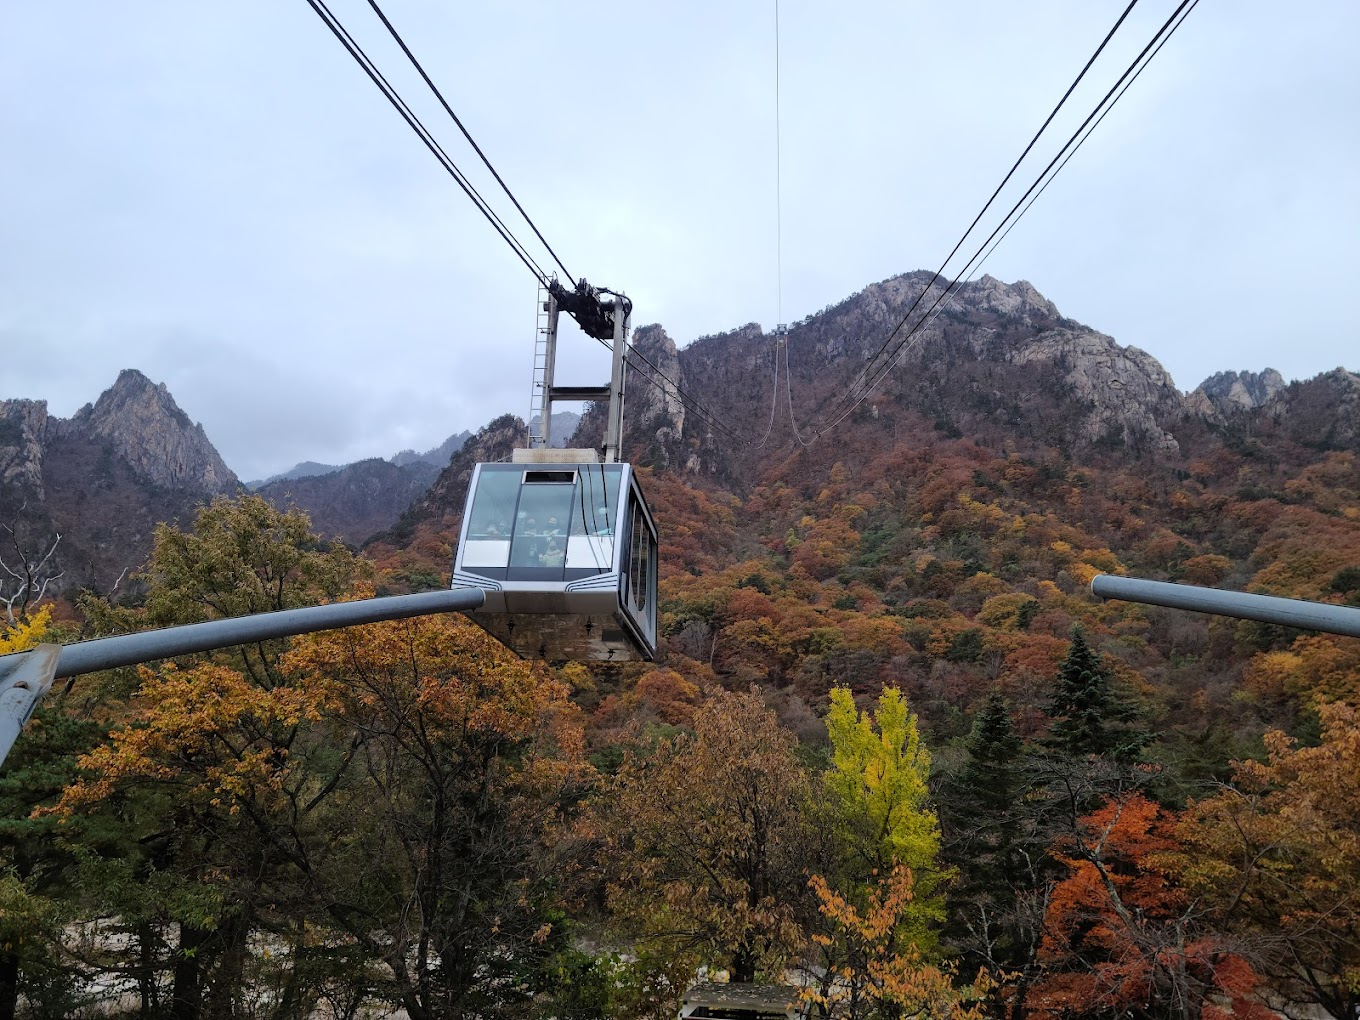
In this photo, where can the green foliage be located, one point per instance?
(1346, 582)
(878, 782)
(243, 556)
(989, 816)
(1089, 717)
(966, 646)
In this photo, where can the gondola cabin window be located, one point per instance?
(543, 524)
(491, 522)
(593, 516)
(640, 579)
(545, 505)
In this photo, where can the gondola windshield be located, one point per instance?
(542, 525)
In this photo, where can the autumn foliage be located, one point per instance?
(892, 745)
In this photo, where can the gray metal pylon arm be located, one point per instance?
(1241, 605)
(26, 676)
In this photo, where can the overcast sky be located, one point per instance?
(216, 195)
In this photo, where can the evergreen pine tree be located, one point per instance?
(990, 833)
(990, 783)
(1089, 717)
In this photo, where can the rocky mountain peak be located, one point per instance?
(1322, 412)
(23, 425)
(1019, 300)
(647, 401)
(1226, 392)
(145, 427)
(1126, 393)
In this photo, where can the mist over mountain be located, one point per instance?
(437, 456)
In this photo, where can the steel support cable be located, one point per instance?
(1164, 33)
(783, 342)
(997, 243)
(661, 381)
(788, 388)
(778, 187)
(476, 148)
(1077, 148)
(917, 333)
(780, 339)
(653, 375)
(414, 122)
(690, 402)
(1004, 181)
(389, 92)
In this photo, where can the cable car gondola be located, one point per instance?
(566, 553)
(562, 542)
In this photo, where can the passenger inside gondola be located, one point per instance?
(552, 555)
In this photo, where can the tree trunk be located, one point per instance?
(146, 971)
(298, 997)
(186, 993)
(229, 979)
(9, 984)
(743, 966)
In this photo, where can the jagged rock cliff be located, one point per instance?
(1225, 393)
(104, 478)
(995, 361)
(1126, 390)
(145, 427)
(1322, 413)
(654, 414)
(651, 402)
(23, 429)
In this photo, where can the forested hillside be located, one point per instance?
(892, 751)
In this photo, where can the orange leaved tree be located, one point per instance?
(874, 968)
(1277, 856)
(703, 842)
(1121, 936)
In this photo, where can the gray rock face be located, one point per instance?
(23, 428)
(650, 401)
(1017, 300)
(1127, 390)
(1226, 392)
(146, 428)
(103, 478)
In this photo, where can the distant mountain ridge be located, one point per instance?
(104, 478)
(437, 456)
(999, 363)
(355, 501)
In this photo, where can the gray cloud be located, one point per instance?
(217, 196)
